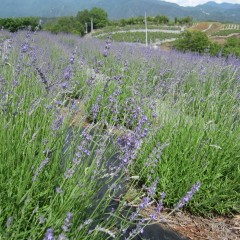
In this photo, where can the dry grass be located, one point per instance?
(199, 228)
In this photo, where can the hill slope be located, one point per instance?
(120, 9)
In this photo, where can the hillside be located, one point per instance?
(120, 9)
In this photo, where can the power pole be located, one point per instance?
(146, 29)
(91, 24)
(86, 27)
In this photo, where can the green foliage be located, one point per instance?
(15, 24)
(67, 25)
(226, 32)
(161, 19)
(215, 49)
(232, 47)
(99, 16)
(183, 21)
(194, 41)
(141, 36)
(198, 141)
(76, 25)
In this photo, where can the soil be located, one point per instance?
(199, 228)
(209, 28)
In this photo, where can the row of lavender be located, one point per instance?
(171, 119)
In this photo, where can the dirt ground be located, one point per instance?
(199, 228)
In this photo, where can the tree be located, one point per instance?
(100, 17)
(83, 16)
(194, 41)
(67, 25)
(162, 19)
(232, 47)
(186, 20)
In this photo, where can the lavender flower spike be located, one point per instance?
(67, 222)
(49, 235)
(195, 188)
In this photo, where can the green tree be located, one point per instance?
(67, 25)
(100, 17)
(232, 47)
(83, 16)
(161, 19)
(194, 41)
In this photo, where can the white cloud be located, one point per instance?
(197, 2)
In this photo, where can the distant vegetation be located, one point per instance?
(226, 32)
(76, 24)
(197, 41)
(140, 37)
(157, 20)
(15, 24)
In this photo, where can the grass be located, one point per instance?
(141, 36)
(131, 27)
(226, 32)
(166, 120)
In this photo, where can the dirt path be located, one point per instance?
(209, 27)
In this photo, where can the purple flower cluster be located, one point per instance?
(49, 234)
(107, 46)
(96, 108)
(40, 168)
(195, 188)
(67, 222)
(57, 124)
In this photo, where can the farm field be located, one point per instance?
(135, 26)
(216, 28)
(140, 37)
(159, 128)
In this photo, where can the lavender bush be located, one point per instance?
(68, 105)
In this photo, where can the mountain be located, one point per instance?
(120, 9)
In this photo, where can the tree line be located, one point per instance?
(15, 24)
(77, 24)
(158, 20)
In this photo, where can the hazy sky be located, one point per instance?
(197, 2)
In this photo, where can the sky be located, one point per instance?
(197, 2)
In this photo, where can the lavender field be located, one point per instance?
(150, 127)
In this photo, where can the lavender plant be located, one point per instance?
(166, 120)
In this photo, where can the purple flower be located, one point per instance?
(67, 222)
(145, 202)
(152, 189)
(154, 217)
(67, 73)
(69, 173)
(9, 222)
(72, 58)
(41, 219)
(59, 190)
(195, 188)
(62, 236)
(25, 47)
(49, 235)
(105, 52)
(39, 169)
(58, 123)
(64, 85)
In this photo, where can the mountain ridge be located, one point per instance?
(121, 9)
